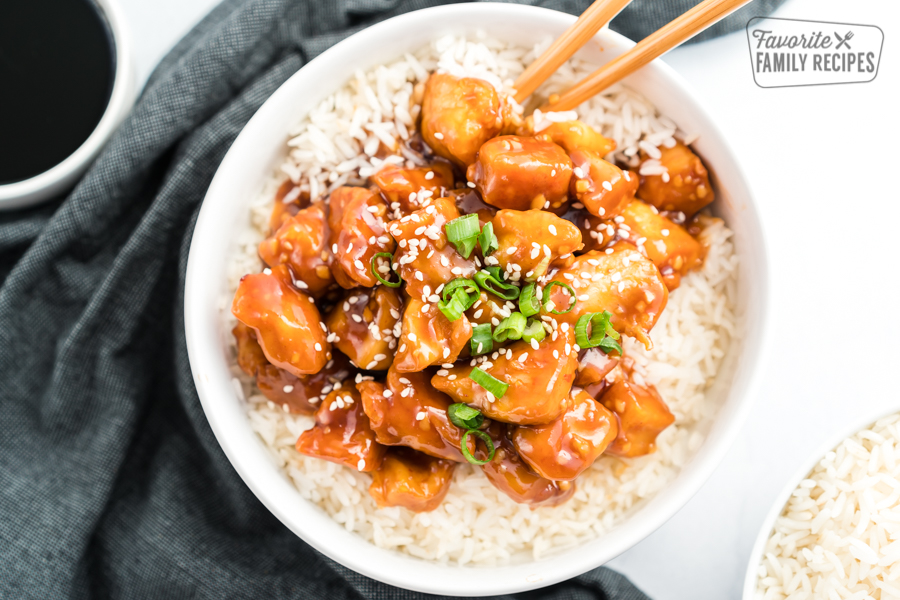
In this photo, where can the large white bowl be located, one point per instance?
(251, 160)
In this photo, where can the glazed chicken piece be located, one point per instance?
(539, 381)
(511, 475)
(364, 322)
(488, 307)
(300, 395)
(669, 246)
(424, 257)
(532, 241)
(619, 279)
(357, 219)
(286, 321)
(288, 200)
(302, 243)
(459, 114)
(407, 411)
(596, 233)
(406, 189)
(428, 338)
(642, 414)
(412, 480)
(593, 366)
(601, 186)
(521, 173)
(342, 434)
(687, 189)
(576, 135)
(563, 449)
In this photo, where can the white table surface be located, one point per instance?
(812, 156)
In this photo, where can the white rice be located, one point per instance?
(477, 524)
(839, 535)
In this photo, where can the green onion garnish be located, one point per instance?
(484, 438)
(481, 341)
(494, 285)
(388, 257)
(510, 328)
(465, 416)
(488, 382)
(455, 306)
(466, 285)
(534, 331)
(462, 232)
(529, 304)
(602, 333)
(546, 298)
(495, 272)
(487, 240)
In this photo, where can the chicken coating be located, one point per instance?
(459, 114)
(424, 257)
(302, 243)
(412, 480)
(532, 241)
(642, 415)
(619, 279)
(521, 173)
(539, 381)
(563, 449)
(342, 434)
(576, 135)
(357, 219)
(429, 338)
(407, 411)
(601, 186)
(685, 188)
(286, 321)
(364, 322)
(668, 245)
(406, 189)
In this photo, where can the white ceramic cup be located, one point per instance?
(58, 178)
(256, 153)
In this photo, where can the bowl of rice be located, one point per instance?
(322, 129)
(832, 530)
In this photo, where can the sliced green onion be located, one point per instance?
(462, 232)
(488, 382)
(546, 298)
(388, 257)
(495, 272)
(529, 304)
(484, 438)
(487, 240)
(455, 306)
(466, 285)
(463, 415)
(494, 285)
(534, 331)
(602, 334)
(512, 328)
(481, 341)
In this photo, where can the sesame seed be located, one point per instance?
(405, 392)
(607, 186)
(372, 364)
(534, 343)
(379, 357)
(523, 356)
(388, 393)
(318, 347)
(288, 389)
(556, 354)
(665, 232)
(584, 298)
(451, 378)
(429, 175)
(438, 135)
(372, 209)
(358, 264)
(579, 173)
(511, 250)
(446, 352)
(470, 184)
(334, 248)
(419, 276)
(361, 464)
(552, 229)
(420, 416)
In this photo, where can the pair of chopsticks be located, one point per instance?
(596, 16)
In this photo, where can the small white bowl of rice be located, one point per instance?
(832, 531)
(322, 128)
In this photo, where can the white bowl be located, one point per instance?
(58, 178)
(255, 154)
(781, 500)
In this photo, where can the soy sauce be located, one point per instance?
(57, 65)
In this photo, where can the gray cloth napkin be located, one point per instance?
(111, 482)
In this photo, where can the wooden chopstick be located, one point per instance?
(588, 24)
(654, 45)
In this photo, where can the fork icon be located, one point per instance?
(843, 41)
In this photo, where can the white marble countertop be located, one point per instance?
(812, 156)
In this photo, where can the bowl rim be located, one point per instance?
(57, 178)
(781, 499)
(428, 576)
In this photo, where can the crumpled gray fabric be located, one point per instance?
(111, 482)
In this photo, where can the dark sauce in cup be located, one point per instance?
(57, 66)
